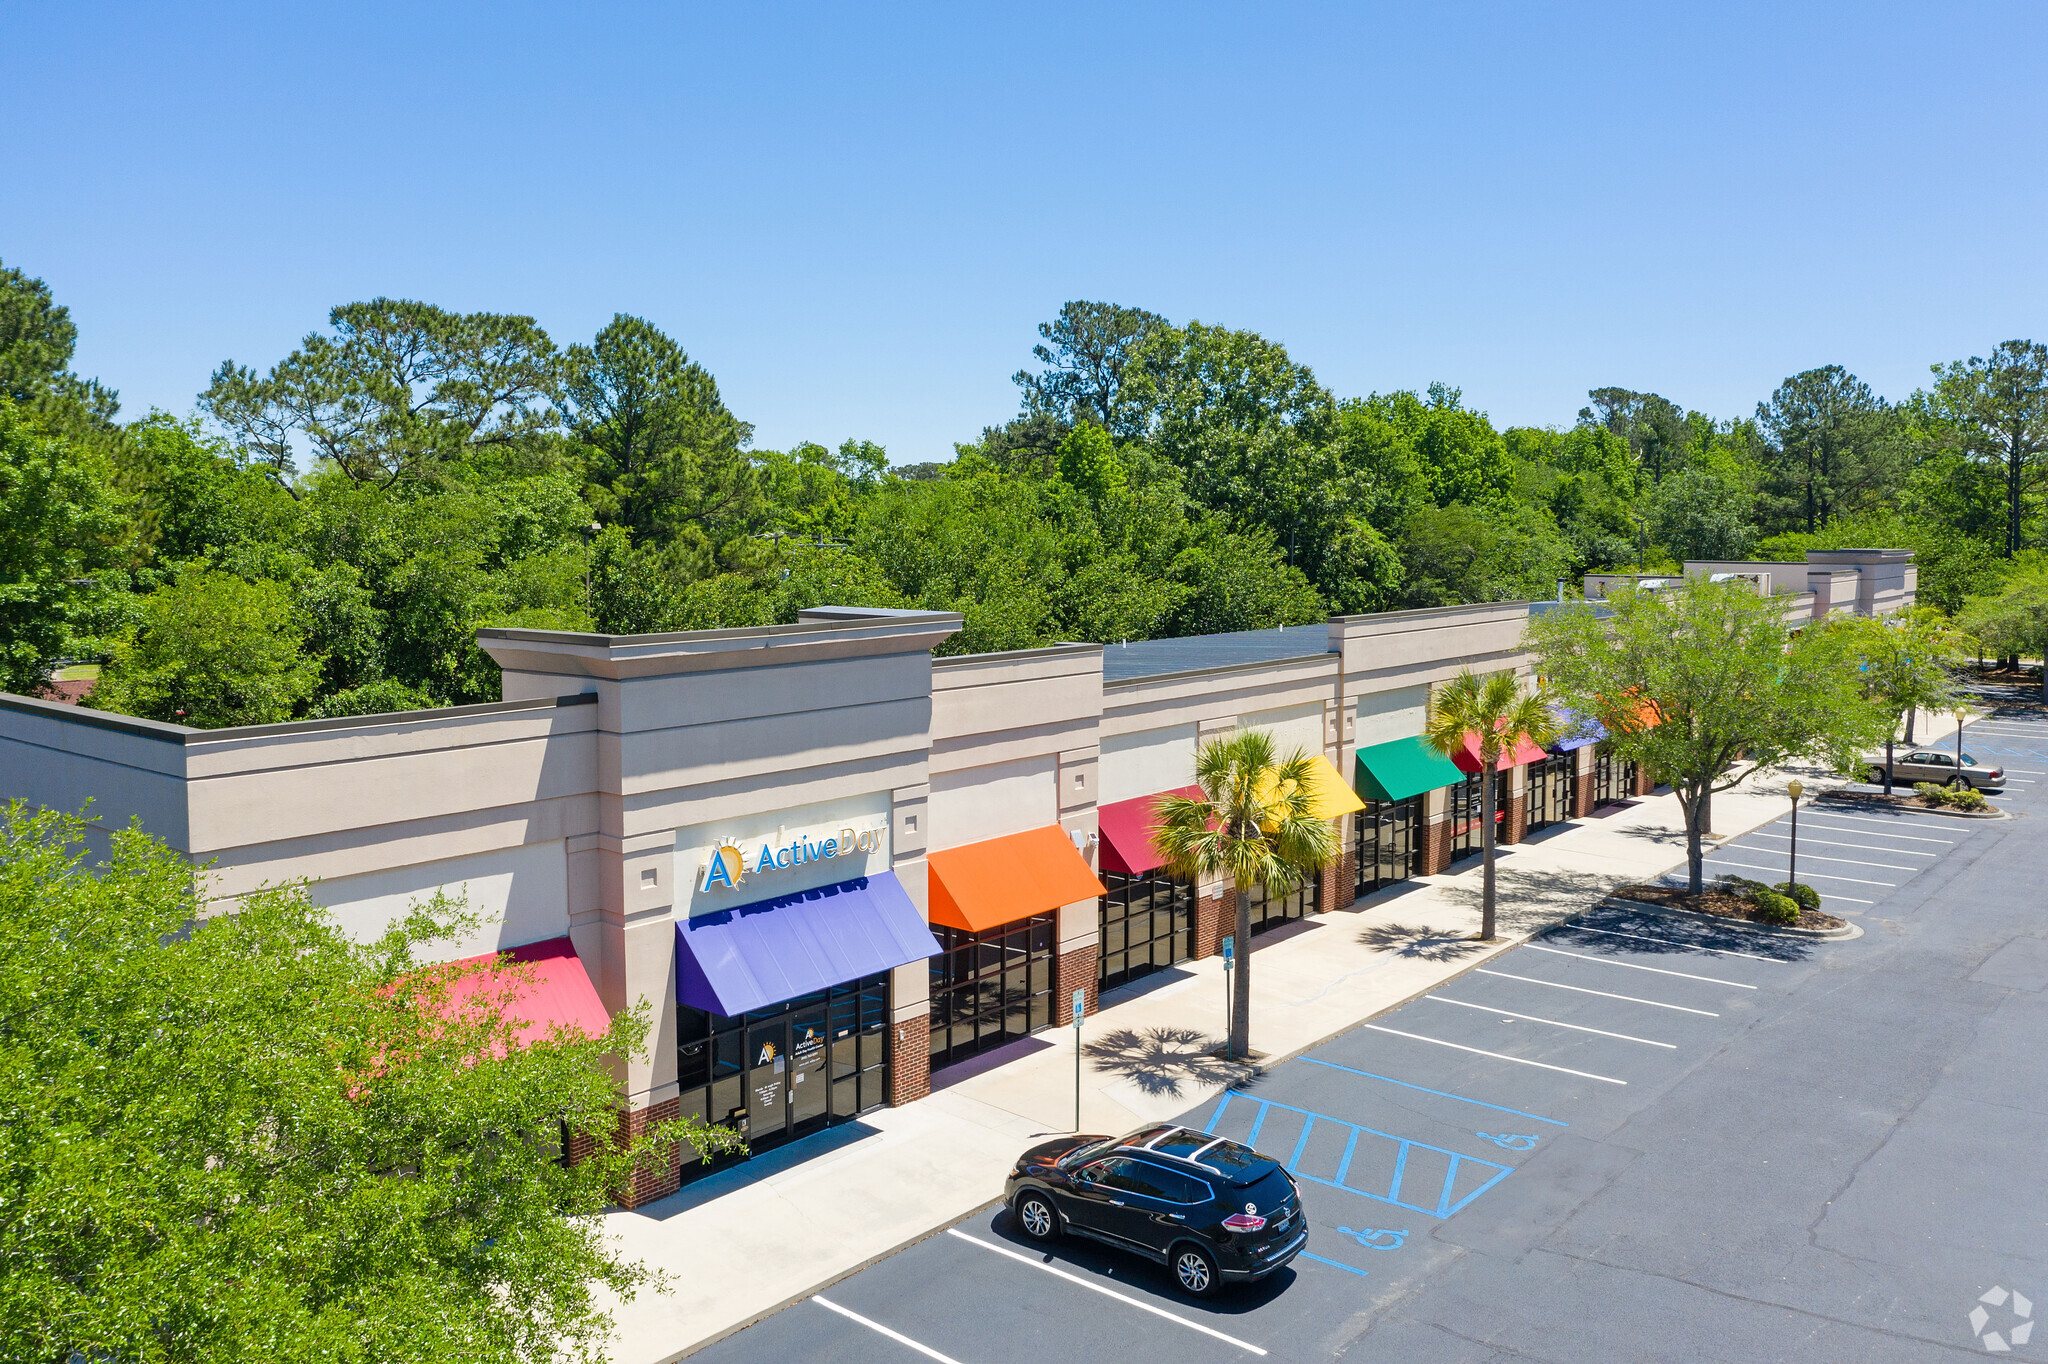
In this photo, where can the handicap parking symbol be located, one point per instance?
(1510, 1141)
(1373, 1239)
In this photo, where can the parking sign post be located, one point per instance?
(1080, 1012)
(1229, 964)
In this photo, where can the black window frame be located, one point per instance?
(1128, 961)
(975, 1000)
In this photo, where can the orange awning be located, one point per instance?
(1514, 755)
(988, 884)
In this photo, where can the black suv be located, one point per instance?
(1213, 1211)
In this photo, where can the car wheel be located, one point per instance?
(1036, 1218)
(1875, 776)
(1194, 1269)
(1959, 784)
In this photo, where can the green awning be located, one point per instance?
(1403, 768)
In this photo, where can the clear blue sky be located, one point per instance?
(856, 215)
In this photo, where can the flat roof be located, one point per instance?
(1156, 657)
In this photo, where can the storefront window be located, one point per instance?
(1385, 834)
(1614, 780)
(1467, 802)
(1269, 911)
(1551, 784)
(789, 1070)
(1147, 924)
(990, 988)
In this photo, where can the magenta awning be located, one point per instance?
(1127, 827)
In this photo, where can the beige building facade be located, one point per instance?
(826, 860)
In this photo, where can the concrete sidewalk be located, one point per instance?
(741, 1243)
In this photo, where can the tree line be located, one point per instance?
(324, 533)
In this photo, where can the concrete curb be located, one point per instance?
(1919, 809)
(1843, 934)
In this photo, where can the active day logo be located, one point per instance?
(732, 862)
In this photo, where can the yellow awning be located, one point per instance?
(1328, 796)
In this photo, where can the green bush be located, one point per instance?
(1805, 896)
(1968, 799)
(1774, 908)
(1932, 794)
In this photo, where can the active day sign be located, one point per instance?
(733, 861)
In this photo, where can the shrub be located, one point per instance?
(1774, 908)
(1967, 799)
(1805, 896)
(1931, 794)
(1741, 885)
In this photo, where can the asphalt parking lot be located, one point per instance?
(1636, 1137)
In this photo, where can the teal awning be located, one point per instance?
(1403, 768)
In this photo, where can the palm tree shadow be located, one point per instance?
(1528, 898)
(1164, 1062)
(1417, 944)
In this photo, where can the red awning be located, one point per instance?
(1127, 827)
(553, 988)
(1522, 751)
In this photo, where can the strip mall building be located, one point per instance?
(828, 860)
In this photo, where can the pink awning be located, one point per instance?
(1127, 828)
(1522, 751)
(553, 987)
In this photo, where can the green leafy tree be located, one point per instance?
(212, 649)
(244, 1138)
(1653, 427)
(1086, 351)
(61, 537)
(37, 337)
(400, 390)
(1088, 462)
(1905, 662)
(1462, 553)
(1698, 515)
(1704, 685)
(1254, 825)
(2013, 622)
(1500, 716)
(1829, 448)
(1997, 410)
(667, 455)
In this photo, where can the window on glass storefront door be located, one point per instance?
(1385, 833)
(1147, 923)
(1271, 911)
(990, 988)
(1467, 831)
(836, 1039)
(1550, 790)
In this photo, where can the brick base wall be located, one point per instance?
(662, 1173)
(1080, 969)
(910, 1060)
(1582, 795)
(1436, 847)
(1646, 781)
(1347, 879)
(1514, 824)
(1215, 916)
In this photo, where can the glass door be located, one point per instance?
(810, 1081)
(767, 1081)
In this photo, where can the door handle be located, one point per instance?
(1178, 1216)
(1116, 1202)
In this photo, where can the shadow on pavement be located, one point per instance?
(1078, 1255)
(1418, 944)
(1633, 934)
(1164, 1062)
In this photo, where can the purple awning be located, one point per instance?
(751, 956)
(1580, 730)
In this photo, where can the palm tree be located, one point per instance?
(1253, 824)
(1501, 715)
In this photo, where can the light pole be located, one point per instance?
(1794, 790)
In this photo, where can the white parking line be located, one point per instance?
(1609, 961)
(1870, 833)
(1837, 843)
(1498, 1056)
(1582, 990)
(1894, 820)
(1532, 1018)
(927, 1351)
(1814, 875)
(2028, 770)
(1093, 1287)
(1845, 861)
(1690, 947)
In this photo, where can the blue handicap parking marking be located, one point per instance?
(1381, 1166)
(1377, 1238)
(1510, 1141)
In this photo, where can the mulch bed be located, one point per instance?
(1901, 798)
(1721, 904)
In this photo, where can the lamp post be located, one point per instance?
(1794, 790)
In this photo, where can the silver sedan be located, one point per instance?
(1928, 764)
